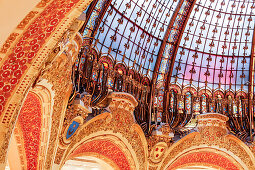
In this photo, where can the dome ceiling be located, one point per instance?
(134, 31)
(199, 55)
(216, 45)
(214, 49)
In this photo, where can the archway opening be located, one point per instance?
(86, 163)
(194, 167)
(204, 160)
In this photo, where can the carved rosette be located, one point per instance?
(158, 144)
(157, 153)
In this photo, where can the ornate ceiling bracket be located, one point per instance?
(168, 50)
(251, 86)
(69, 46)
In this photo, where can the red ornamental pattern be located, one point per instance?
(107, 149)
(30, 124)
(207, 158)
(28, 46)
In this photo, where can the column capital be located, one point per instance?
(122, 100)
(212, 122)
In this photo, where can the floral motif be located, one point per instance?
(30, 124)
(8, 42)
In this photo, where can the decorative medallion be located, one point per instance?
(72, 129)
(157, 152)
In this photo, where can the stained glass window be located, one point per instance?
(235, 111)
(240, 108)
(172, 39)
(172, 100)
(188, 103)
(204, 108)
(212, 107)
(196, 106)
(181, 106)
(218, 108)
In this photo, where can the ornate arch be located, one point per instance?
(34, 118)
(207, 157)
(218, 92)
(230, 93)
(207, 92)
(29, 124)
(107, 61)
(131, 73)
(241, 94)
(117, 127)
(112, 148)
(175, 87)
(146, 81)
(120, 68)
(192, 90)
(44, 91)
(190, 151)
(212, 138)
(22, 61)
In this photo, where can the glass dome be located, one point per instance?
(216, 45)
(133, 31)
(178, 58)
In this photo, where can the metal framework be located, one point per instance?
(168, 52)
(178, 59)
(215, 49)
(165, 40)
(251, 87)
